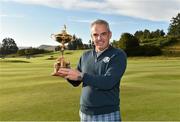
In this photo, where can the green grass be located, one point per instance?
(149, 90)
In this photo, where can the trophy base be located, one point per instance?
(61, 63)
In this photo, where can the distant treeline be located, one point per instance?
(141, 43)
(146, 43)
(31, 51)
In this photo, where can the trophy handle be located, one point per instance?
(52, 36)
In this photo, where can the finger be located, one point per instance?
(64, 69)
(56, 67)
(66, 77)
(58, 74)
(63, 72)
(54, 74)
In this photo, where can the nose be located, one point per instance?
(99, 37)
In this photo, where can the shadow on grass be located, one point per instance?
(70, 53)
(53, 58)
(14, 61)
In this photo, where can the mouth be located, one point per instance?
(100, 43)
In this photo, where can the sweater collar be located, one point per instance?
(98, 54)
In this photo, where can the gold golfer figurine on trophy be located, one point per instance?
(62, 38)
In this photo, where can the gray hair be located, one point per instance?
(100, 21)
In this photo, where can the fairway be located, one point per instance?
(149, 90)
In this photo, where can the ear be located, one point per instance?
(110, 34)
(91, 37)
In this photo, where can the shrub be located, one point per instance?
(145, 50)
(31, 51)
(128, 41)
(167, 41)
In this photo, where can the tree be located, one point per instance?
(91, 43)
(8, 46)
(75, 44)
(146, 34)
(157, 34)
(115, 43)
(21, 52)
(139, 35)
(86, 46)
(79, 43)
(174, 27)
(128, 41)
(57, 48)
(162, 33)
(31, 51)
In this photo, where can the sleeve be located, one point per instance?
(113, 75)
(76, 83)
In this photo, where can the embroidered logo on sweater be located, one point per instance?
(106, 59)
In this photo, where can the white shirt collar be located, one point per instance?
(100, 52)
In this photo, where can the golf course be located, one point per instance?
(149, 90)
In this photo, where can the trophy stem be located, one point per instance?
(62, 38)
(62, 49)
(62, 53)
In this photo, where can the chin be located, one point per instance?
(100, 48)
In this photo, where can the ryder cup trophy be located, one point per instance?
(62, 38)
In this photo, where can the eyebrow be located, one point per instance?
(100, 33)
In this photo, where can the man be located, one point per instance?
(100, 71)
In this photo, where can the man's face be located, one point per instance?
(100, 36)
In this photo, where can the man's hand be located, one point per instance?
(70, 74)
(66, 73)
(56, 69)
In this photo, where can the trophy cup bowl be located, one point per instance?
(62, 38)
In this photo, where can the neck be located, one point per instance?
(101, 50)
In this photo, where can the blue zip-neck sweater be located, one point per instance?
(101, 80)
